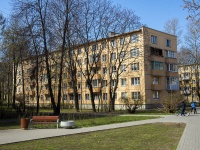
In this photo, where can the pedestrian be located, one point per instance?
(183, 108)
(193, 107)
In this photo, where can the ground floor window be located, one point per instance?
(135, 95)
(87, 96)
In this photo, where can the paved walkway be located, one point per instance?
(190, 139)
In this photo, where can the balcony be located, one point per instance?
(157, 87)
(172, 87)
(157, 58)
(71, 90)
(96, 89)
(185, 78)
(170, 73)
(32, 93)
(45, 92)
(158, 72)
(97, 76)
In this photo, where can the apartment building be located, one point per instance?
(189, 81)
(143, 61)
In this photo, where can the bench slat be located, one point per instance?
(45, 120)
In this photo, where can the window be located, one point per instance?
(95, 83)
(124, 94)
(170, 54)
(122, 54)
(155, 95)
(123, 68)
(104, 70)
(27, 88)
(19, 89)
(113, 82)
(113, 43)
(168, 43)
(86, 61)
(113, 56)
(114, 69)
(193, 81)
(134, 52)
(122, 41)
(94, 47)
(79, 85)
(79, 97)
(86, 72)
(72, 52)
(172, 67)
(157, 65)
(94, 58)
(155, 80)
(70, 84)
(96, 96)
(105, 96)
(64, 75)
(135, 95)
(135, 81)
(172, 80)
(103, 45)
(104, 83)
(79, 62)
(123, 82)
(71, 97)
(154, 39)
(19, 72)
(95, 70)
(134, 38)
(19, 81)
(79, 74)
(64, 96)
(64, 86)
(135, 66)
(87, 96)
(104, 57)
(79, 51)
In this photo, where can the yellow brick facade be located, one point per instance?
(150, 72)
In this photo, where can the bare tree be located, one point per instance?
(99, 18)
(193, 43)
(193, 9)
(172, 26)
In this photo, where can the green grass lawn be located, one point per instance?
(143, 137)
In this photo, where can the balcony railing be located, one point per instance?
(185, 78)
(173, 87)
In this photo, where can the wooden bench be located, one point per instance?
(45, 120)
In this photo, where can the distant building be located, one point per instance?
(189, 81)
(148, 72)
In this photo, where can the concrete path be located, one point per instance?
(190, 139)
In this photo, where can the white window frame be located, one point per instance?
(104, 57)
(87, 96)
(135, 95)
(123, 68)
(134, 38)
(155, 95)
(154, 39)
(113, 56)
(135, 81)
(134, 52)
(135, 67)
(123, 81)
